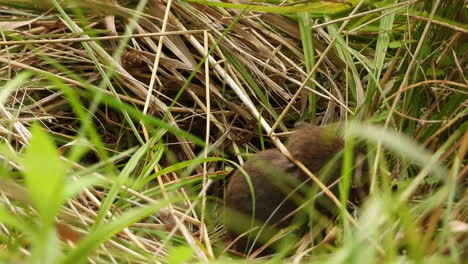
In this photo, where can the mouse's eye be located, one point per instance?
(290, 166)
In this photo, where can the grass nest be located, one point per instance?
(120, 122)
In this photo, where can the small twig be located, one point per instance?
(70, 40)
(463, 30)
(363, 14)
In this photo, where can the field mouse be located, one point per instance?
(275, 181)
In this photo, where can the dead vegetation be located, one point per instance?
(113, 81)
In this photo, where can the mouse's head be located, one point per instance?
(314, 146)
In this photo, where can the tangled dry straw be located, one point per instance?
(226, 76)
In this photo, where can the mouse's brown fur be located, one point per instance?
(273, 177)
(315, 146)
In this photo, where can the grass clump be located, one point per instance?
(121, 121)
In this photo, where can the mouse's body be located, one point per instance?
(276, 180)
